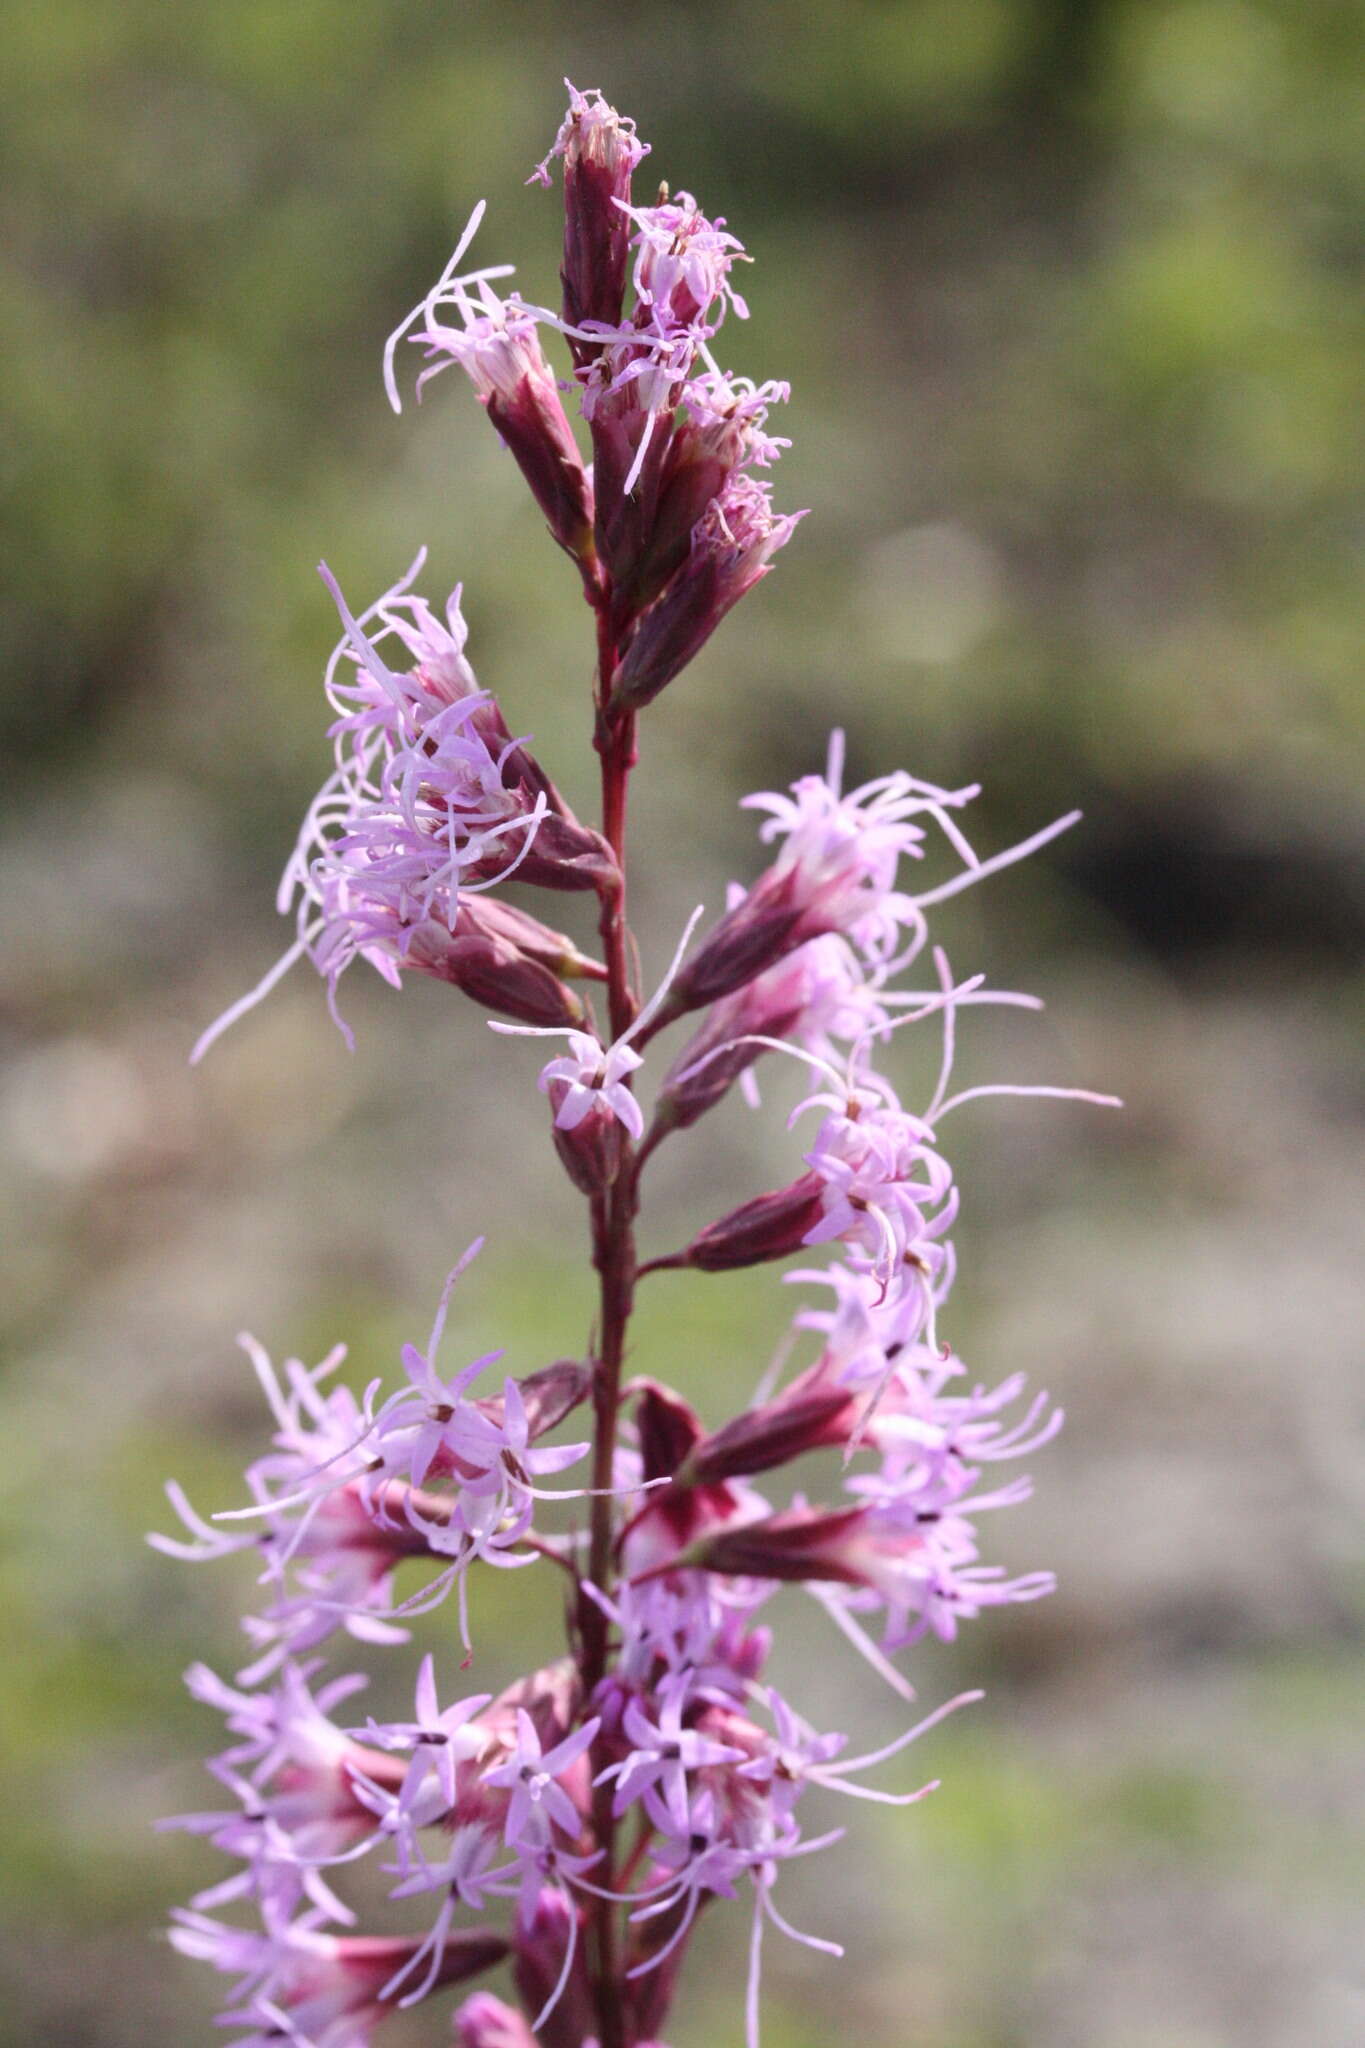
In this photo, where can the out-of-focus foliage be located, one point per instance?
(1069, 295)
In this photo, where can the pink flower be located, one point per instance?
(590, 1077)
(663, 1753)
(539, 1802)
(322, 1990)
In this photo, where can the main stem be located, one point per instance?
(613, 1228)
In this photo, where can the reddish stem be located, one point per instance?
(613, 1233)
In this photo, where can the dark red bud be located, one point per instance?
(801, 1420)
(669, 1427)
(537, 941)
(625, 519)
(562, 855)
(771, 921)
(673, 1516)
(591, 1153)
(535, 429)
(600, 155)
(548, 1396)
(693, 471)
(729, 551)
(771, 1226)
(799, 1544)
(713, 1060)
(503, 980)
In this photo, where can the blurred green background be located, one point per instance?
(1068, 294)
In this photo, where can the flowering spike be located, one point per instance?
(584, 1818)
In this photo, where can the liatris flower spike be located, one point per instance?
(580, 1822)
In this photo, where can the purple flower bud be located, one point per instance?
(669, 1429)
(627, 466)
(770, 1226)
(813, 1413)
(771, 921)
(546, 1396)
(798, 1544)
(719, 432)
(481, 958)
(600, 152)
(731, 549)
(808, 997)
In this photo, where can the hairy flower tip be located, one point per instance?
(889, 1196)
(837, 871)
(601, 152)
(730, 549)
(882, 1558)
(682, 269)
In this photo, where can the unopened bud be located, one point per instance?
(499, 347)
(619, 418)
(591, 1151)
(531, 422)
(771, 1005)
(799, 1544)
(547, 1396)
(533, 939)
(492, 969)
(705, 448)
(669, 1430)
(771, 1226)
(812, 1414)
(731, 549)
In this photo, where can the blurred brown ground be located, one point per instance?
(1069, 298)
